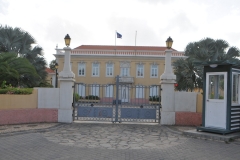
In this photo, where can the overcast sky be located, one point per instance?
(93, 22)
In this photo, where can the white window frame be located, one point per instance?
(238, 89)
(82, 90)
(139, 69)
(127, 69)
(84, 67)
(95, 89)
(151, 71)
(110, 68)
(154, 90)
(109, 91)
(96, 69)
(140, 91)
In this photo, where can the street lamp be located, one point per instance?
(56, 82)
(67, 40)
(169, 42)
(168, 76)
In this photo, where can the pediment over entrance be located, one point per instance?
(125, 64)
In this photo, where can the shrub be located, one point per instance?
(92, 97)
(16, 91)
(4, 85)
(76, 96)
(155, 98)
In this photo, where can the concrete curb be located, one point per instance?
(212, 136)
(176, 131)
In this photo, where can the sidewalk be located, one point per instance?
(107, 141)
(40, 126)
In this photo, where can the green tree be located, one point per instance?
(15, 40)
(52, 64)
(13, 69)
(35, 57)
(189, 71)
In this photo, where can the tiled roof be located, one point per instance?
(48, 70)
(106, 47)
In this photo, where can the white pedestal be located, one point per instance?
(66, 99)
(65, 115)
(66, 78)
(167, 118)
(167, 93)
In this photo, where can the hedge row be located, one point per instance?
(155, 98)
(16, 91)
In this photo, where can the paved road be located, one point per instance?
(112, 142)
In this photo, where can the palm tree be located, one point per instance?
(20, 42)
(15, 40)
(189, 72)
(13, 69)
(35, 57)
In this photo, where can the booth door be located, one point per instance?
(216, 100)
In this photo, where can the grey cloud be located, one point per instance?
(217, 9)
(58, 28)
(182, 23)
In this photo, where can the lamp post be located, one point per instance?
(56, 81)
(66, 68)
(168, 73)
(168, 79)
(66, 80)
(67, 40)
(169, 42)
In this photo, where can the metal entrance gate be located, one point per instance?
(117, 102)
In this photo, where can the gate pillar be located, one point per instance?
(66, 78)
(167, 80)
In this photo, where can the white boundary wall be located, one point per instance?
(185, 101)
(48, 98)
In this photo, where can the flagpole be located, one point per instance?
(135, 38)
(115, 40)
(135, 42)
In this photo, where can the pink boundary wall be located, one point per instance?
(19, 116)
(188, 118)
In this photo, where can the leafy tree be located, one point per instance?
(36, 59)
(15, 40)
(52, 64)
(189, 71)
(13, 69)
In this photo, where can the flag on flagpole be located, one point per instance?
(119, 35)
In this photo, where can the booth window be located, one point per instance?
(216, 87)
(235, 89)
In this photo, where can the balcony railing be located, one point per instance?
(126, 79)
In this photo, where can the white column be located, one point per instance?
(167, 80)
(66, 78)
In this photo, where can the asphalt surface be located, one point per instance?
(87, 141)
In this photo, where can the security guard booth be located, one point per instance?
(221, 99)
